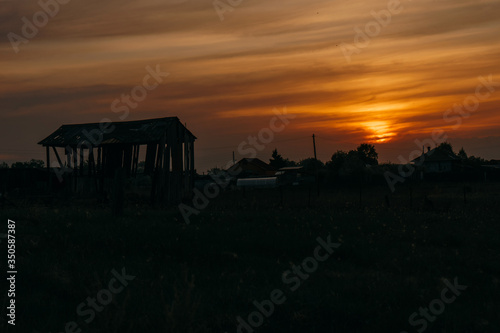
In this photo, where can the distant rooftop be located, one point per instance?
(437, 155)
(254, 161)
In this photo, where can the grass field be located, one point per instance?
(392, 260)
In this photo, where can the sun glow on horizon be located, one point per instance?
(379, 131)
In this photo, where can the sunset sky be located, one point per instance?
(226, 76)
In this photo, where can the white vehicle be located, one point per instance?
(266, 182)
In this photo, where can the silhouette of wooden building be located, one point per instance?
(438, 160)
(251, 167)
(98, 150)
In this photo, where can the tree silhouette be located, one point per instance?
(354, 161)
(31, 164)
(337, 161)
(311, 165)
(446, 146)
(367, 154)
(462, 154)
(279, 162)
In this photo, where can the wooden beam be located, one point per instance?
(57, 156)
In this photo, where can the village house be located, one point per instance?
(437, 160)
(251, 167)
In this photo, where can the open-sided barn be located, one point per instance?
(98, 150)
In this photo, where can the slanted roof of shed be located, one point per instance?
(437, 155)
(128, 132)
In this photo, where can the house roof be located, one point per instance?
(437, 155)
(129, 132)
(254, 161)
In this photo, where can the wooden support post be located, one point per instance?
(191, 168)
(81, 161)
(150, 158)
(99, 152)
(133, 166)
(186, 164)
(159, 155)
(67, 151)
(161, 174)
(92, 169)
(75, 161)
(100, 168)
(166, 168)
(91, 161)
(136, 159)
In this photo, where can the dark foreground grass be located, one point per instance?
(200, 277)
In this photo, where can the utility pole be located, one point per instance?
(314, 145)
(316, 164)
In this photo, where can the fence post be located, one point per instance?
(281, 195)
(465, 195)
(118, 195)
